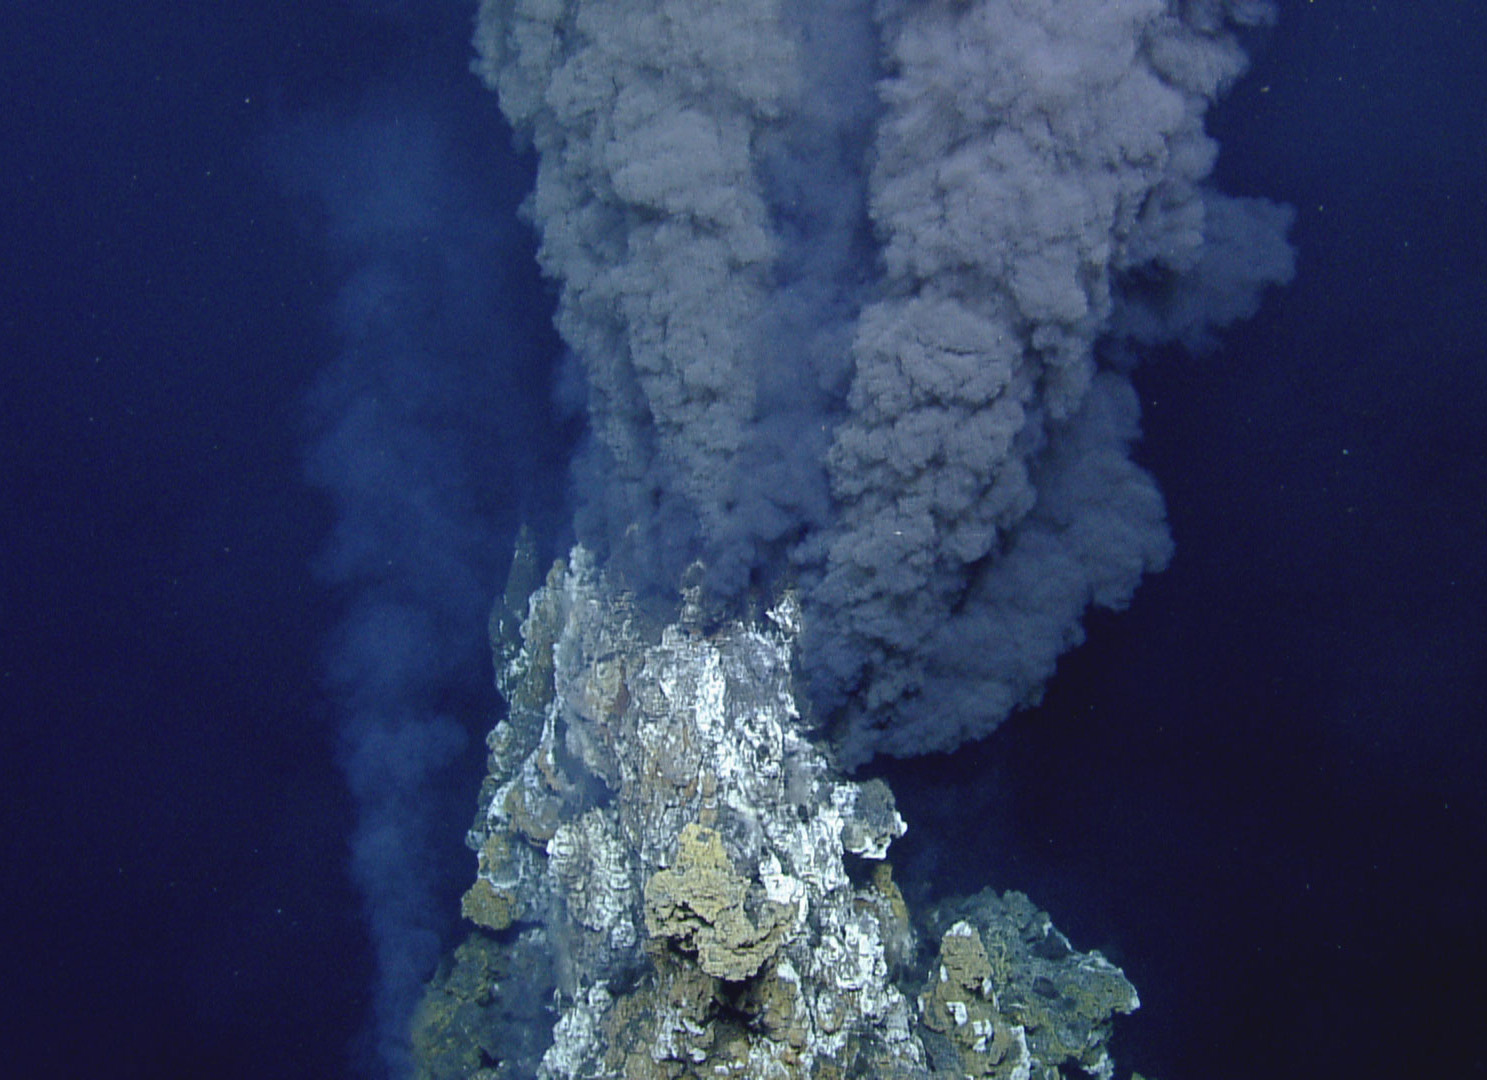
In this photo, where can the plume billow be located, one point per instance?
(840, 315)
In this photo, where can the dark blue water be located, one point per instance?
(1260, 790)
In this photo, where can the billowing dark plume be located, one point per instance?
(837, 275)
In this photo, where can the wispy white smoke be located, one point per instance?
(838, 275)
(431, 386)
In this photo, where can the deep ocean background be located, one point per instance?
(1261, 790)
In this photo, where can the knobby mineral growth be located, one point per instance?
(674, 880)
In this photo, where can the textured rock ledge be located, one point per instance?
(674, 880)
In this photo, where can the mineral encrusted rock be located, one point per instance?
(1010, 998)
(698, 906)
(705, 893)
(483, 1016)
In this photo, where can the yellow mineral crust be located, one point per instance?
(698, 903)
(485, 905)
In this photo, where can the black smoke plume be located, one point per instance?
(839, 274)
